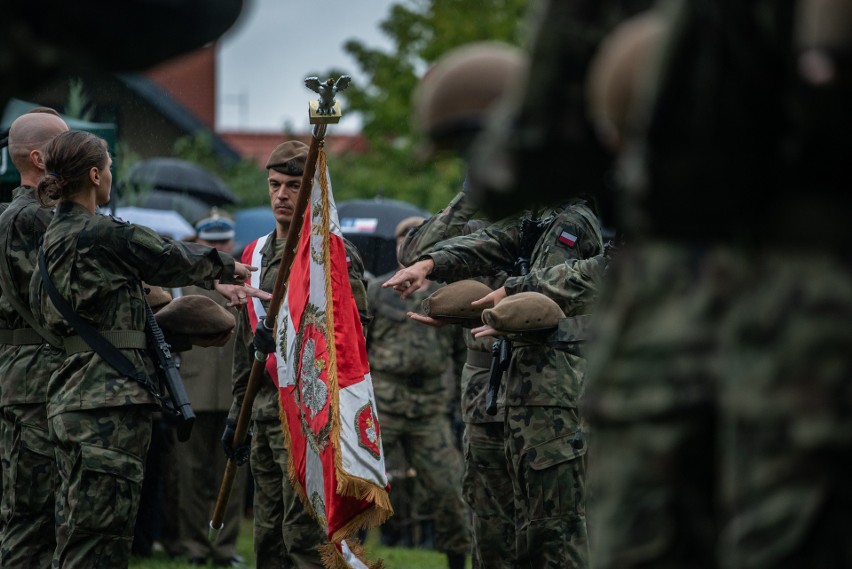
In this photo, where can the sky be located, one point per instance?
(264, 58)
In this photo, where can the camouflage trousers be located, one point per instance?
(487, 488)
(429, 447)
(285, 534)
(720, 401)
(101, 459)
(546, 456)
(29, 487)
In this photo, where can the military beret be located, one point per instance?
(451, 303)
(403, 226)
(199, 318)
(288, 158)
(523, 312)
(157, 297)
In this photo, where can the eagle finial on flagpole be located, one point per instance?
(326, 109)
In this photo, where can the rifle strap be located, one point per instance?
(89, 334)
(8, 287)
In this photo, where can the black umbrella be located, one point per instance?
(179, 176)
(189, 207)
(371, 225)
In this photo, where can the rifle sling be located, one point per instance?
(89, 334)
(8, 287)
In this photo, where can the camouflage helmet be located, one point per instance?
(615, 75)
(452, 99)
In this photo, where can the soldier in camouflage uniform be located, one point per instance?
(100, 420)
(545, 446)
(720, 395)
(27, 360)
(285, 534)
(407, 362)
(486, 484)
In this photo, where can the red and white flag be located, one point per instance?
(328, 409)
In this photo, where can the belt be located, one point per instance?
(121, 339)
(20, 337)
(478, 358)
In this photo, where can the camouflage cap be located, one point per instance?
(198, 318)
(403, 226)
(451, 303)
(524, 312)
(288, 158)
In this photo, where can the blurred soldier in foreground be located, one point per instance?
(450, 106)
(28, 355)
(719, 394)
(544, 132)
(198, 463)
(408, 362)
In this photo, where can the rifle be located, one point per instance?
(177, 403)
(501, 350)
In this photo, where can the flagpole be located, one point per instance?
(321, 113)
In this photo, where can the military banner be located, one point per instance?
(328, 410)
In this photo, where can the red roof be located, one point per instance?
(258, 146)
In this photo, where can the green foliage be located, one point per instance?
(422, 31)
(78, 105)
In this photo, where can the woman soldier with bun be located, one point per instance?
(100, 420)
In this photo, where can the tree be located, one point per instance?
(422, 31)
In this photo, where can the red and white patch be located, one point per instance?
(369, 436)
(567, 238)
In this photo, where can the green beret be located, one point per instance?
(198, 318)
(451, 303)
(288, 158)
(524, 312)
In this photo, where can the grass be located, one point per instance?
(393, 557)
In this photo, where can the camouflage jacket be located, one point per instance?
(25, 368)
(570, 232)
(408, 361)
(265, 406)
(97, 264)
(448, 223)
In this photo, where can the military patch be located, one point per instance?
(567, 238)
(368, 430)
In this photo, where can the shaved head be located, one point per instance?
(28, 133)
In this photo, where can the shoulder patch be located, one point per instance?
(567, 238)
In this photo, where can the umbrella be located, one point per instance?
(251, 223)
(180, 176)
(371, 226)
(167, 223)
(193, 209)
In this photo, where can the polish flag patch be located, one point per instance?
(567, 238)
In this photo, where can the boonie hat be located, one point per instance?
(288, 158)
(524, 312)
(215, 228)
(451, 303)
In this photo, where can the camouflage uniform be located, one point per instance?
(407, 362)
(25, 366)
(544, 443)
(486, 485)
(719, 392)
(100, 421)
(285, 534)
